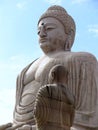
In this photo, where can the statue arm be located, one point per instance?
(82, 81)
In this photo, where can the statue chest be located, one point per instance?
(39, 70)
(35, 77)
(43, 70)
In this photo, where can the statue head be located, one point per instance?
(60, 14)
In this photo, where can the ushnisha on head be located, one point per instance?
(67, 21)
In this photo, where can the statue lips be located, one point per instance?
(42, 40)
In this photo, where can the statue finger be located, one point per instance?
(5, 126)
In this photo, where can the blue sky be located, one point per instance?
(18, 39)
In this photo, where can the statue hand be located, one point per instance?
(21, 127)
(25, 127)
(14, 127)
(5, 126)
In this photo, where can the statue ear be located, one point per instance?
(69, 40)
(52, 74)
(51, 77)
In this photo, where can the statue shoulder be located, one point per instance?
(27, 67)
(82, 56)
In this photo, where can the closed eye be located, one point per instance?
(49, 28)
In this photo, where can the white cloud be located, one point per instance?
(21, 5)
(79, 1)
(93, 29)
(54, 2)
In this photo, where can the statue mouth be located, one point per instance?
(42, 40)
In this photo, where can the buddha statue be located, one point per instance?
(56, 33)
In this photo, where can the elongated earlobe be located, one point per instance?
(69, 41)
(67, 44)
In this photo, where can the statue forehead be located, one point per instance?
(51, 21)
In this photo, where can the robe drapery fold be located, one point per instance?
(82, 81)
(19, 89)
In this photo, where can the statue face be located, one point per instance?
(52, 36)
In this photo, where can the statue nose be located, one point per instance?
(42, 32)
